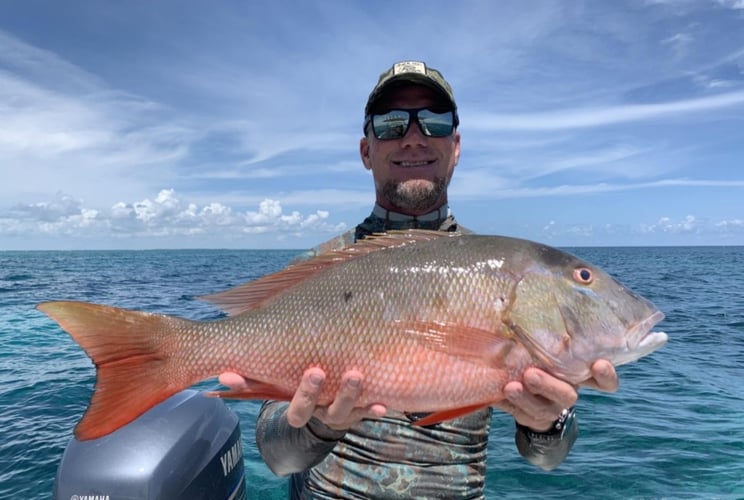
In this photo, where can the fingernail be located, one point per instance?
(354, 382)
(316, 379)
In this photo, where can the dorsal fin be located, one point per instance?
(257, 293)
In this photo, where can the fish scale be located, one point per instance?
(369, 341)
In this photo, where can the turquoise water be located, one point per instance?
(675, 429)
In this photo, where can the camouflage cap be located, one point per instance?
(415, 72)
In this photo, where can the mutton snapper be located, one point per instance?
(437, 322)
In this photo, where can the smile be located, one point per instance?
(421, 163)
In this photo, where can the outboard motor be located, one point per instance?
(187, 447)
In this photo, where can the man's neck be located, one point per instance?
(437, 214)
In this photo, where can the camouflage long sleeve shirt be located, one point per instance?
(390, 457)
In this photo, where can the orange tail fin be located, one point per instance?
(131, 354)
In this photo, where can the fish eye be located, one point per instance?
(583, 275)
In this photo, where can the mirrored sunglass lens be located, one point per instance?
(392, 125)
(436, 124)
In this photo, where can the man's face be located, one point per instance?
(411, 174)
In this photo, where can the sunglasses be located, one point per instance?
(394, 124)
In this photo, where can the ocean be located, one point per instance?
(675, 428)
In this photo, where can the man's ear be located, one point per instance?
(364, 153)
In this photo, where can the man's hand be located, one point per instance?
(535, 402)
(538, 399)
(341, 414)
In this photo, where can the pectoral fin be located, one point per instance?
(475, 345)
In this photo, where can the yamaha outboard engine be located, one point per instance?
(188, 446)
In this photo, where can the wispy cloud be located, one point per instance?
(478, 184)
(598, 117)
(77, 133)
(731, 4)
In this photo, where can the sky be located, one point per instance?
(236, 124)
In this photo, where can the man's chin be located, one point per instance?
(415, 200)
(415, 195)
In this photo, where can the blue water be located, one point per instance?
(675, 429)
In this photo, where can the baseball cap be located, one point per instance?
(415, 72)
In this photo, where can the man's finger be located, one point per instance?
(348, 393)
(232, 380)
(605, 376)
(535, 412)
(305, 398)
(540, 383)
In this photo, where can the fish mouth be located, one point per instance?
(641, 340)
(643, 328)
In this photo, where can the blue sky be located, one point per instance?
(235, 124)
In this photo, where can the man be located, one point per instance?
(412, 145)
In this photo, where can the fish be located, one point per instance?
(436, 322)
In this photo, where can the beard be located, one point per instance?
(415, 195)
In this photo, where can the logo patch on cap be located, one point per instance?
(409, 67)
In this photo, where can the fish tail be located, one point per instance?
(131, 350)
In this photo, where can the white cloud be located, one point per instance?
(164, 216)
(733, 224)
(691, 224)
(689, 228)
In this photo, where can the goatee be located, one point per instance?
(416, 195)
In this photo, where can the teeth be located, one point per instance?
(413, 163)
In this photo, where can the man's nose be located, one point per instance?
(414, 136)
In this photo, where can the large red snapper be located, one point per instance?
(437, 322)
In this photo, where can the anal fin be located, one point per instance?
(441, 416)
